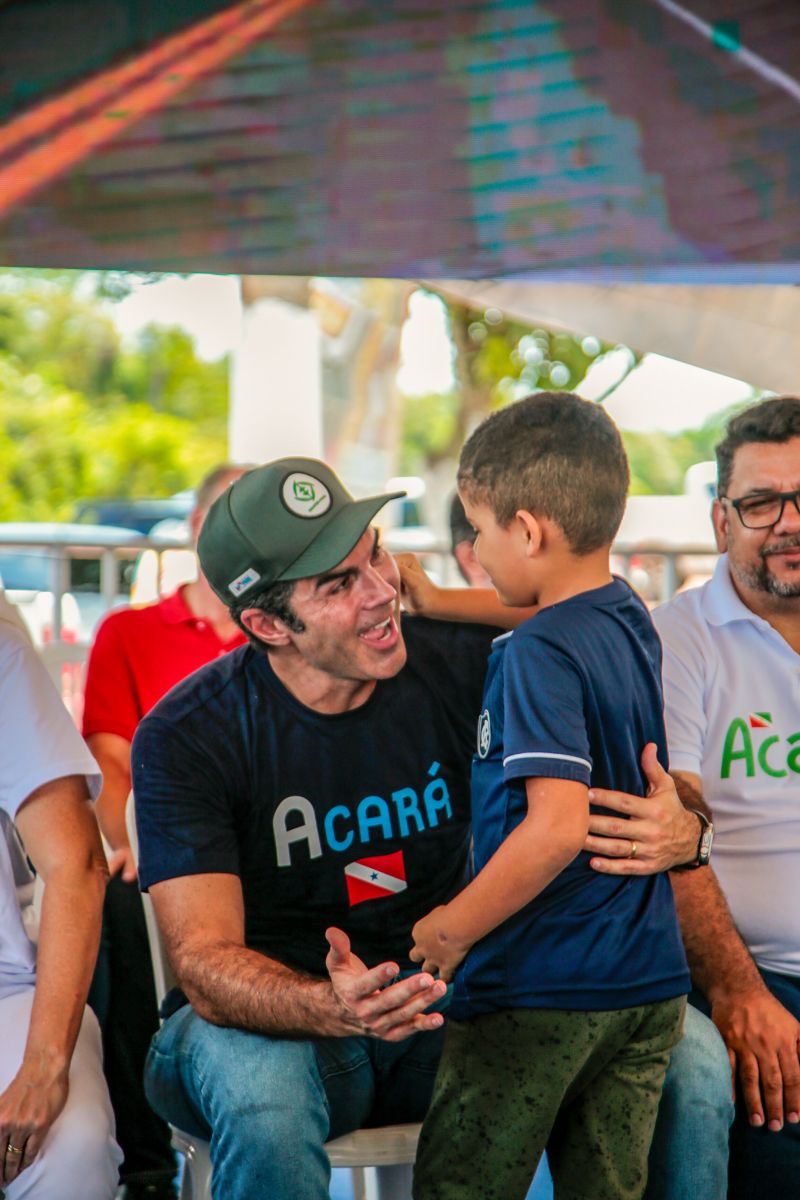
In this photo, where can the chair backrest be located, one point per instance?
(162, 971)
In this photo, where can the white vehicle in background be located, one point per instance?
(86, 567)
(159, 572)
(27, 579)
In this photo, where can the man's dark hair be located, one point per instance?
(275, 601)
(773, 420)
(460, 528)
(553, 455)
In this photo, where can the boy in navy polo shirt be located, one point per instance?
(572, 989)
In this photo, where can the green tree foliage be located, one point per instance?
(430, 430)
(165, 373)
(496, 360)
(82, 415)
(659, 461)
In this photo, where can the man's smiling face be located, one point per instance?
(764, 563)
(351, 615)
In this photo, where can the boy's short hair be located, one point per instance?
(773, 420)
(553, 455)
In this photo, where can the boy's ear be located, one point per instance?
(266, 628)
(531, 530)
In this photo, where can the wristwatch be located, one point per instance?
(706, 840)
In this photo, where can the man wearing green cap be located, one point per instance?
(314, 779)
(312, 783)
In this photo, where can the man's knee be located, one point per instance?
(699, 1072)
(201, 1077)
(689, 1153)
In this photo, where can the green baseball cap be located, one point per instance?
(289, 519)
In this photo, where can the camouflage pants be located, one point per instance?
(584, 1084)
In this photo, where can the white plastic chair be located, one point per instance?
(380, 1160)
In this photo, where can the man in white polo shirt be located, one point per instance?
(732, 694)
(56, 1125)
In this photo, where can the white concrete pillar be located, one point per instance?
(276, 384)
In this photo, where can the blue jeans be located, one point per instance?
(267, 1105)
(689, 1154)
(765, 1164)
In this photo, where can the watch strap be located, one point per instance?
(703, 855)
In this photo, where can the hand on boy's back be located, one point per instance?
(434, 947)
(658, 829)
(370, 1004)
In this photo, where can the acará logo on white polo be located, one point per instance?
(305, 496)
(484, 734)
(746, 751)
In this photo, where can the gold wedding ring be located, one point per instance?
(13, 1149)
(634, 848)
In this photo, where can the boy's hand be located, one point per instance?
(435, 946)
(417, 591)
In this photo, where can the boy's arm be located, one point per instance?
(542, 845)
(423, 598)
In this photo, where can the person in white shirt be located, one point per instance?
(56, 1126)
(732, 695)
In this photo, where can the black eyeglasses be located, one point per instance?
(765, 509)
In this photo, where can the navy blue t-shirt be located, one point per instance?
(573, 693)
(357, 819)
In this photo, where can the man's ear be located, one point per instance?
(531, 530)
(719, 519)
(266, 628)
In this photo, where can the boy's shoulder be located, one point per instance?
(597, 631)
(576, 615)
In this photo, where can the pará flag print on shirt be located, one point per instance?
(371, 878)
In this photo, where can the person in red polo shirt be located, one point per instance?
(137, 656)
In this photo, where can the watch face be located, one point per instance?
(704, 851)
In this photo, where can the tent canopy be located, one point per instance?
(748, 332)
(609, 139)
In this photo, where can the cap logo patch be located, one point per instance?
(242, 582)
(305, 496)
